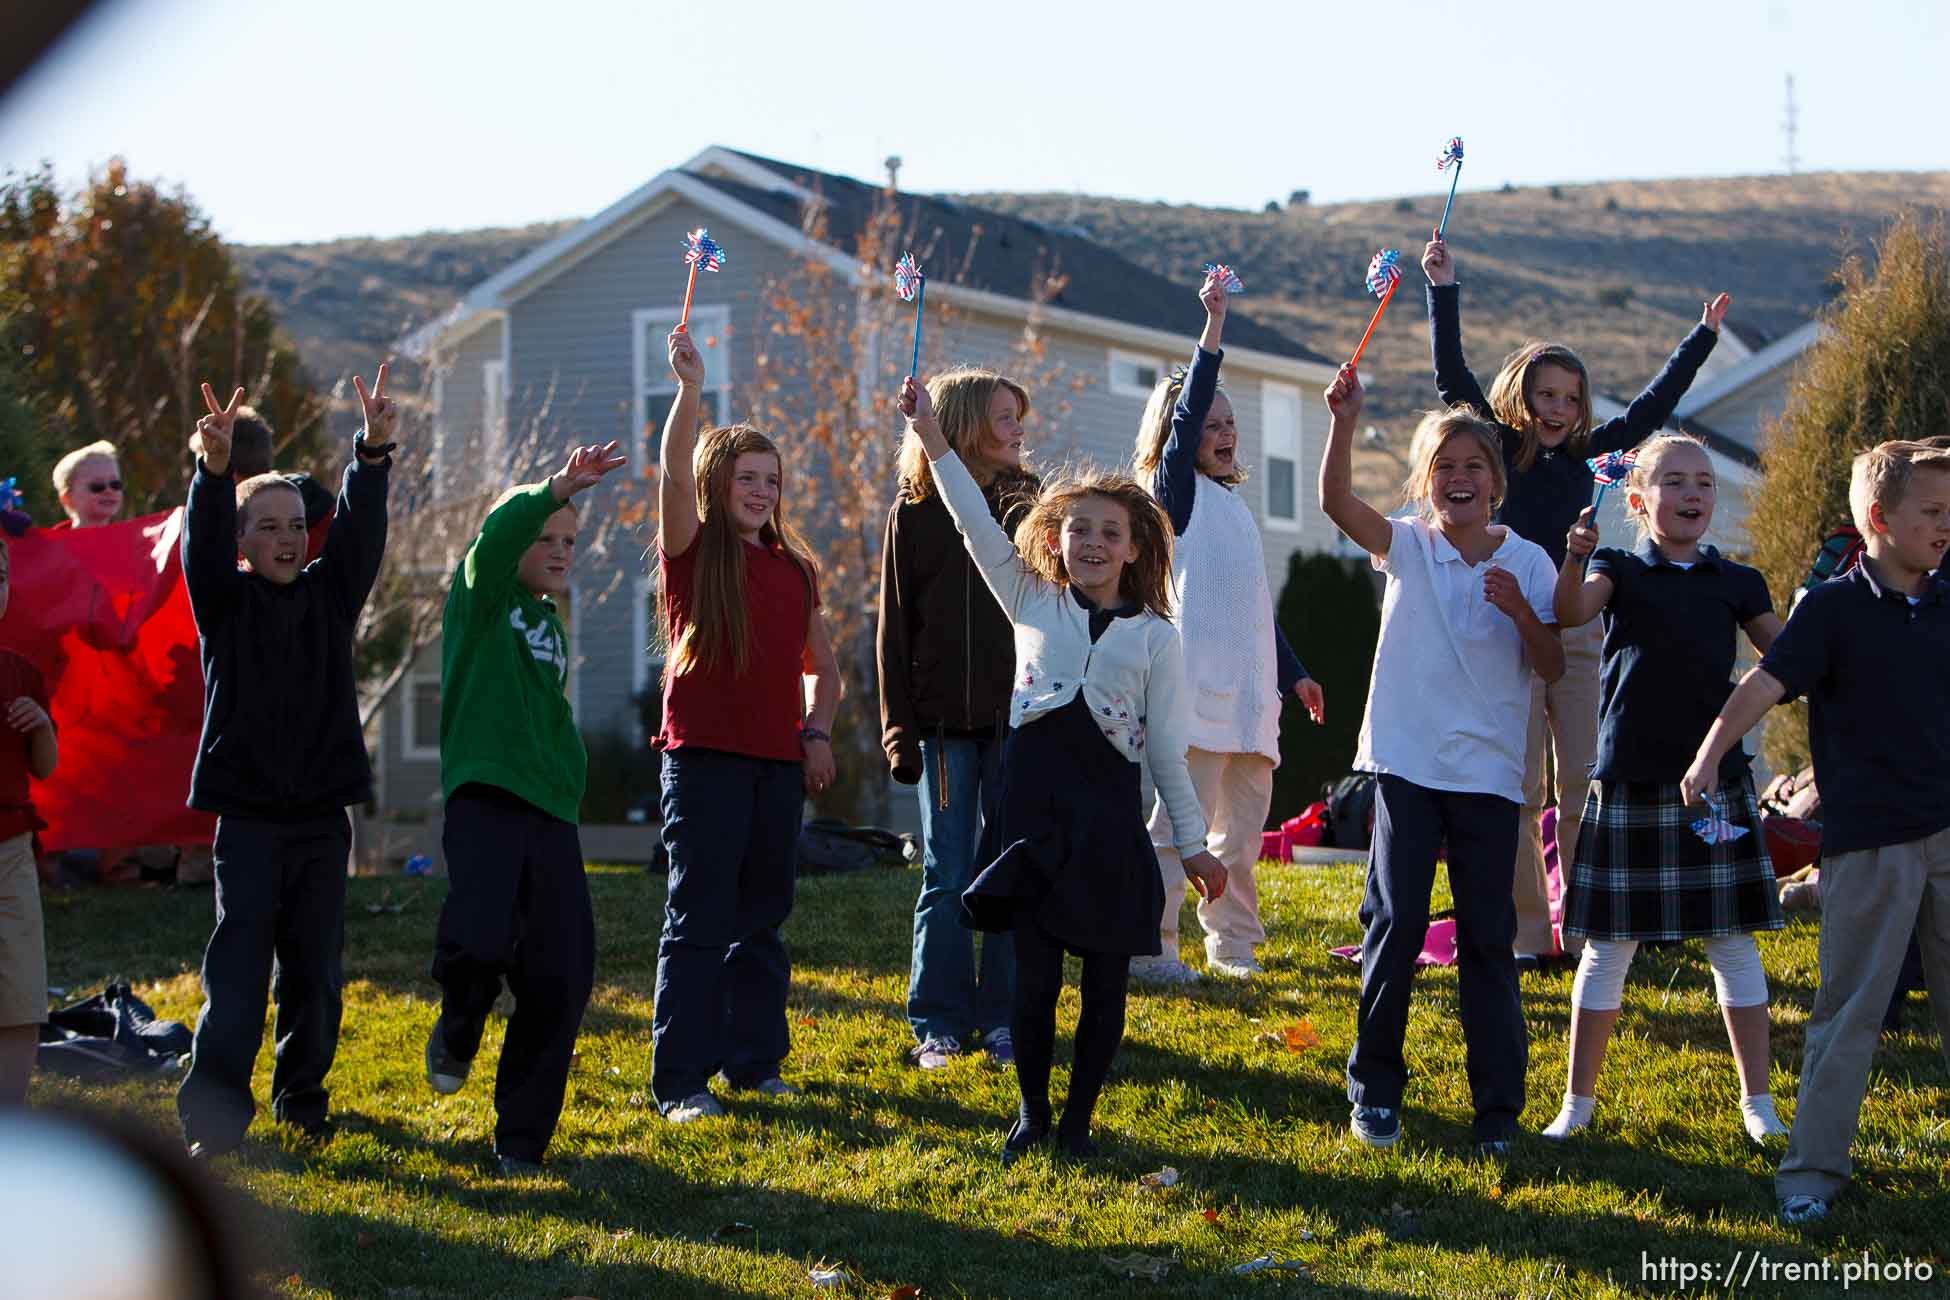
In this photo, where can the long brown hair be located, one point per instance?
(1510, 397)
(1154, 426)
(961, 400)
(719, 630)
(1146, 580)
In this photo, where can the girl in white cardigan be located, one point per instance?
(1099, 685)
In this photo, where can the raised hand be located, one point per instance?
(1207, 874)
(1715, 312)
(1436, 262)
(211, 440)
(1344, 395)
(585, 468)
(1309, 693)
(379, 412)
(914, 402)
(1213, 294)
(685, 360)
(1501, 589)
(1582, 540)
(25, 716)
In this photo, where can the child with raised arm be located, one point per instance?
(1099, 686)
(282, 756)
(1868, 651)
(1239, 662)
(947, 659)
(1466, 625)
(30, 750)
(513, 769)
(1671, 608)
(1540, 405)
(742, 749)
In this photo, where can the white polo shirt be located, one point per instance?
(1449, 701)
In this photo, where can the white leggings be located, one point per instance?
(1737, 977)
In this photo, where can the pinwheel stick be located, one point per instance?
(920, 298)
(690, 287)
(1453, 178)
(1392, 285)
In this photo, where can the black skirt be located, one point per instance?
(1641, 872)
(1068, 849)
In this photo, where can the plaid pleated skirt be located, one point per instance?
(1641, 872)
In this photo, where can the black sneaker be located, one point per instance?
(446, 1073)
(509, 1167)
(1378, 1126)
(320, 1130)
(1494, 1149)
(204, 1153)
(1023, 1137)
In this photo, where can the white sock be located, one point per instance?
(1757, 1114)
(1575, 1115)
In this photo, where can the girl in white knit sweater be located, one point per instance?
(1099, 685)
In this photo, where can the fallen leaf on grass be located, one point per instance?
(1274, 1264)
(1211, 1216)
(808, 1021)
(908, 1292)
(828, 1277)
(1300, 1036)
(1496, 1193)
(1149, 1267)
(1166, 1177)
(730, 1230)
(622, 1234)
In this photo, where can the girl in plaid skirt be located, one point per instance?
(1644, 871)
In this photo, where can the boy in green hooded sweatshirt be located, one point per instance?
(512, 767)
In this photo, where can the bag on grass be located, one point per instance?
(1350, 811)
(827, 844)
(112, 1033)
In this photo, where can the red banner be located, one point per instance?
(103, 613)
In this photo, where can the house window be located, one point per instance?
(656, 387)
(421, 689)
(1280, 454)
(1133, 375)
(494, 413)
(646, 654)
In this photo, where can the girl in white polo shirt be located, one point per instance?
(1465, 624)
(1099, 681)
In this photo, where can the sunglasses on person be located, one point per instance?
(100, 486)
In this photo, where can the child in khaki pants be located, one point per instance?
(1868, 650)
(23, 950)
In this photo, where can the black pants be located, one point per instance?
(280, 896)
(1410, 824)
(1100, 1027)
(517, 909)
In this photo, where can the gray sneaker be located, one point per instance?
(446, 1073)
(1163, 971)
(1241, 968)
(1000, 1046)
(936, 1053)
(775, 1087)
(699, 1105)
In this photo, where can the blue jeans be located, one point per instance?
(731, 826)
(945, 997)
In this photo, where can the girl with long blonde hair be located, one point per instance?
(947, 660)
(739, 609)
(1098, 684)
(1540, 405)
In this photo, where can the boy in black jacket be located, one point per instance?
(282, 755)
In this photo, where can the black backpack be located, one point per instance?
(828, 844)
(1350, 811)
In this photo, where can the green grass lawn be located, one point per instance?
(893, 1174)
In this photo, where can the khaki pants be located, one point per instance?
(1563, 742)
(1235, 792)
(23, 947)
(1869, 901)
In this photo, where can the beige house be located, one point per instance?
(574, 332)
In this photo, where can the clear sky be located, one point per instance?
(302, 121)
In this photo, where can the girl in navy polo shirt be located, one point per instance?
(1541, 403)
(1670, 609)
(740, 614)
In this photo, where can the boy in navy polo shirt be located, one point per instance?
(1868, 650)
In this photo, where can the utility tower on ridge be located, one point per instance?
(1788, 128)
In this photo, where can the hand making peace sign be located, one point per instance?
(211, 440)
(380, 412)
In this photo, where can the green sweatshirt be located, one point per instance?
(504, 719)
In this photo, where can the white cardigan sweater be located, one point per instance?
(1132, 679)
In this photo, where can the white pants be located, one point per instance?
(1738, 980)
(1235, 792)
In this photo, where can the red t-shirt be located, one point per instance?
(757, 713)
(17, 678)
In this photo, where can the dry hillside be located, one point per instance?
(1617, 270)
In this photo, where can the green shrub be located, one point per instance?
(1881, 371)
(1614, 295)
(1330, 612)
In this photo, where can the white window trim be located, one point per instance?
(1291, 393)
(494, 413)
(1120, 357)
(414, 747)
(575, 654)
(439, 382)
(651, 375)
